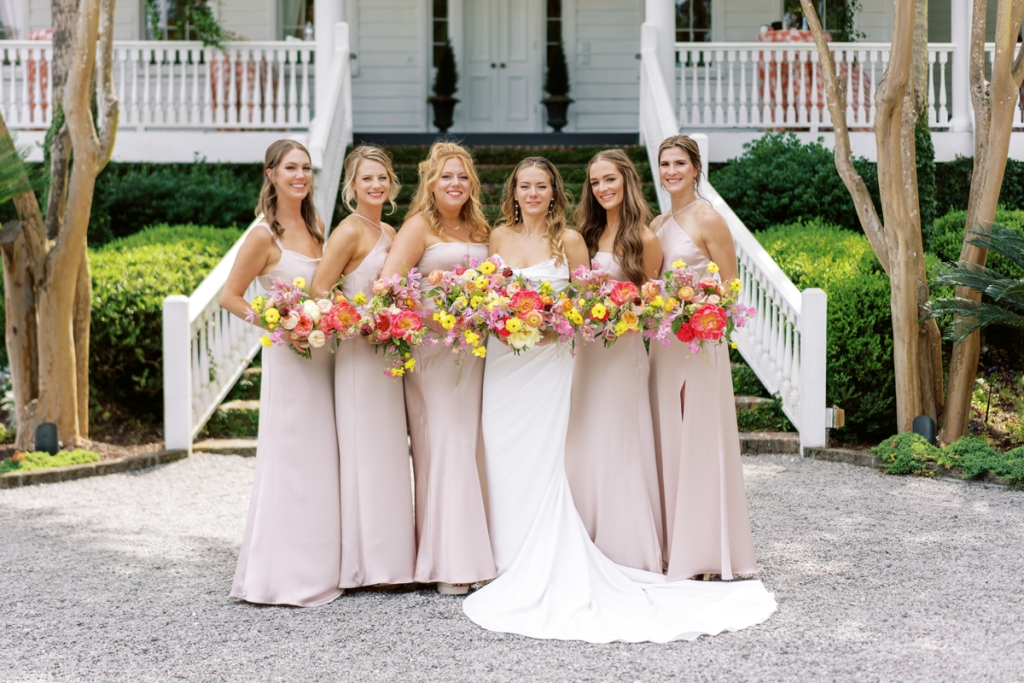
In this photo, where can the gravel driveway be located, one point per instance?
(126, 578)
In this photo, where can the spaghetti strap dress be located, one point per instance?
(707, 525)
(609, 450)
(377, 541)
(291, 548)
(442, 397)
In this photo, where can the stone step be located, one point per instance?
(745, 403)
(243, 447)
(234, 419)
(763, 443)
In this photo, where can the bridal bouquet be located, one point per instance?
(463, 297)
(392, 320)
(523, 312)
(291, 314)
(612, 308)
(697, 308)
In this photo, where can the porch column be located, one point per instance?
(960, 16)
(328, 13)
(662, 13)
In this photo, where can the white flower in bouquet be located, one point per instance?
(310, 308)
(290, 321)
(324, 305)
(317, 339)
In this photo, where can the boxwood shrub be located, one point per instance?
(131, 277)
(860, 377)
(778, 180)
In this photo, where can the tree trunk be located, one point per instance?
(64, 13)
(80, 324)
(921, 58)
(994, 106)
(20, 331)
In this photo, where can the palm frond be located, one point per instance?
(999, 238)
(971, 316)
(13, 178)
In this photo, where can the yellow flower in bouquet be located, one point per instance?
(257, 303)
(359, 299)
(272, 316)
(482, 282)
(299, 282)
(487, 268)
(513, 325)
(472, 337)
(630, 320)
(480, 352)
(678, 263)
(712, 267)
(475, 302)
(265, 340)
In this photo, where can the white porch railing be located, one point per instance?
(206, 349)
(779, 85)
(785, 344)
(176, 84)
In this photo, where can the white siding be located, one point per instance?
(38, 15)
(875, 20)
(128, 20)
(605, 74)
(390, 92)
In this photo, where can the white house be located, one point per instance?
(179, 99)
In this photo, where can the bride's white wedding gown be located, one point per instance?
(553, 582)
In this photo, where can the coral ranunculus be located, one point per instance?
(405, 323)
(685, 333)
(382, 324)
(708, 322)
(343, 316)
(622, 292)
(525, 301)
(305, 325)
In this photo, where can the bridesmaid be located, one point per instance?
(377, 538)
(707, 526)
(612, 470)
(442, 397)
(291, 549)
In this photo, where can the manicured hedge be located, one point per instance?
(860, 376)
(132, 196)
(953, 184)
(778, 180)
(946, 238)
(131, 277)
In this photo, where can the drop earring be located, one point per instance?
(551, 207)
(517, 215)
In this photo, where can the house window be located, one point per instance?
(439, 32)
(554, 29)
(168, 20)
(295, 17)
(693, 21)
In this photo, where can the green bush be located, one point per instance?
(130, 197)
(37, 460)
(778, 179)
(953, 184)
(906, 453)
(130, 278)
(974, 455)
(1013, 468)
(859, 375)
(946, 238)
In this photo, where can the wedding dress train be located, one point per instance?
(553, 581)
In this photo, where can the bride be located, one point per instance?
(553, 581)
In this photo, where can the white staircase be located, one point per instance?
(205, 348)
(785, 343)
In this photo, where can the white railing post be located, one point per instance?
(960, 16)
(813, 344)
(177, 343)
(331, 132)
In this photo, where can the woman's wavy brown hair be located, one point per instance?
(688, 145)
(591, 218)
(352, 161)
(268, 195)
(423, 203)
(556, 223)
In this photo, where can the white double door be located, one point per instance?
(503, 42)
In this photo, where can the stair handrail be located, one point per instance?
(785, 344)
(332, 128)
(205, 351)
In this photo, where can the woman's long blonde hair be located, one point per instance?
(556, 222)
(268, 195)
(591, 218)
(352, 161)
(471, 215)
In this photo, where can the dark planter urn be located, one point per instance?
(557, 106)
(444, 106)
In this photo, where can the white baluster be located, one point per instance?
(194, 115)
(744, 108)
(293, 96)
(731, 95)
(259, 98)
(790, 57)
(232, 60)
(210, 87)
(23, 111)
(48, 112)
(719, 119)
(304, 117)
(942, 116)
(177, 365)
(279, 77)
(684, 118)
(244, 104)
(706, 112)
